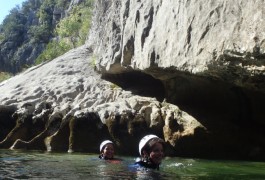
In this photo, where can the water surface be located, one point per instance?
(43, 165)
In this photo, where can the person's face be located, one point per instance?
(157, 153)
(108, 151)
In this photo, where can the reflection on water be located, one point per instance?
(41, 165)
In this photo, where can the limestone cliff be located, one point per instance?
(208, 57)
(190, 72)
(209, 38)
(64, 105)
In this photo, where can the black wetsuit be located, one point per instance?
(105, 158)
(147, 165)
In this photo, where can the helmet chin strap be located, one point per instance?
(146, 157)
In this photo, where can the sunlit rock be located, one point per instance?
(191, 73)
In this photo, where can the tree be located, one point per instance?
(13, 26)
(40, 33)
(69, 28)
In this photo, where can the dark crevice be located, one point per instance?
(7, 122)
(205, 32)
(147, 29)
(138, 83)
(128, 52)
(137, 18)
(214, 102)
(153, 59)
(127, 10)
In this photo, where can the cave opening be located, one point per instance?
(138, 83)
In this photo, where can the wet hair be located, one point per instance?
(151, 143)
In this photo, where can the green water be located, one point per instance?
(42, 165)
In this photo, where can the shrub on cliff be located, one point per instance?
(75, 27)
(71, 32)
(40, 33)
(4, 76)
(53, 50)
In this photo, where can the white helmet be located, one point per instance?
(104, 143)
(145, 140)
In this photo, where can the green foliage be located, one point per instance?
(76, 25)
(69, 27)
(62, 3)
(40, 33)
(46, 12)
(4, 76)
(71, 31)
(22, 26)
(93, 61)
(13, 24)
(114, 86)
(86, 23)
(29, 5)
(53, 50)
(2, 37)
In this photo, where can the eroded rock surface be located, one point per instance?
(208, 55)
(64, 105)
(202, 37)
(190, 72)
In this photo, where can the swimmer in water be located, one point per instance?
(151, 149)
(106, 150)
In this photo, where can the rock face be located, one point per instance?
(64, 105)
(190, 72)
(207, 56)
(201, 37)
